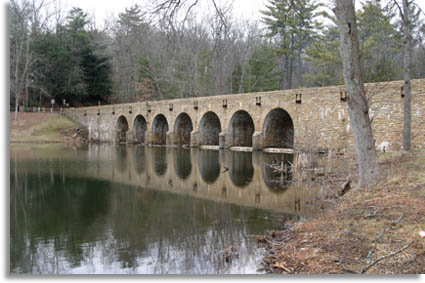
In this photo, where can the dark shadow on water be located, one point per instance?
(159, 160)
(139, 159)
(121, 161)
(240, 168)
(209, 165)
(182, 162)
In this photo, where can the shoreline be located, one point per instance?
(369, 231)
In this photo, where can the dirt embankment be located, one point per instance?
(372, 231)
(42, 128)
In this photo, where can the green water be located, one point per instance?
(102, 209)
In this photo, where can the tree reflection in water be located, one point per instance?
(277, 171)
(64, 220)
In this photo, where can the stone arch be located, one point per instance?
(182, 163)
(241, 170)
(139, 129)
(241, 128)
(182, 129)
(209, 129)
(121, 129)
(278, 129)
(209, 165)
(159, 130)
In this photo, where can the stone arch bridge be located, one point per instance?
(288, 119)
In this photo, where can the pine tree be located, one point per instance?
(291, 23)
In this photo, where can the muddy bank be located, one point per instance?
(371, 231)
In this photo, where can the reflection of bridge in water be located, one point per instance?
(242, 178)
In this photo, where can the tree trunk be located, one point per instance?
(357, 103)
(406, 77)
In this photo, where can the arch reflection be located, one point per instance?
(139, 159)
(159, 160)
(240, 168)
(182, 163)
(209, 165)
(276, 171)
(121, 158)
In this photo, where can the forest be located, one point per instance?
(167, 50)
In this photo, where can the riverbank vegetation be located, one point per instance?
(371, 230)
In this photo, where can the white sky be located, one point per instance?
(242, 9)
(103, 10)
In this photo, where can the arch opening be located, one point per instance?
(121, 129)
(209, 129)
(240, 130)
(159, 130)
(278, 130)
(182, 129)
(139, 129)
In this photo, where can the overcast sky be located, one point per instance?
(104, 9)
(242, 9)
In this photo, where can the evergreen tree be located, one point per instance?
(261, 71)
(291, 23)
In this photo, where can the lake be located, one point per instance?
(105, 209)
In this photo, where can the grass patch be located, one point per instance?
(40, 128)
(52, 128)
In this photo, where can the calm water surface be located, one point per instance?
(106, 209)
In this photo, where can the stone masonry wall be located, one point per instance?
(320, 118)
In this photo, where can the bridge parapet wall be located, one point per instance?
(319, 116)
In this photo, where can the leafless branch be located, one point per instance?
(372, 251)
(366, 268)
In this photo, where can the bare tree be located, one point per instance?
(28, 19)
(369, 173)
(407, 49)
(20, 53)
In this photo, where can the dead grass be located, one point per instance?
(39, 128)
(340, 240)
